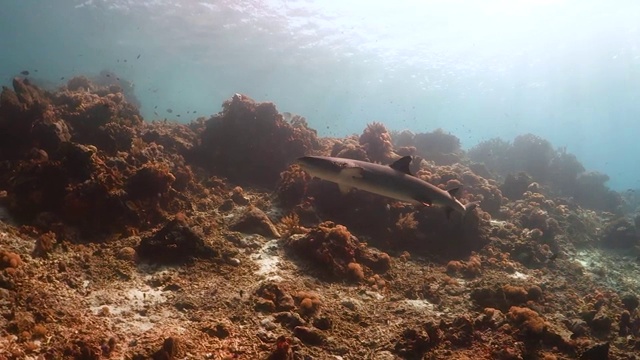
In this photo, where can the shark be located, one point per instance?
(394, 181)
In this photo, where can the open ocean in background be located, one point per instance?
(568, 71)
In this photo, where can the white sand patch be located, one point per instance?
(268, 259)
(519, 275)
(421, 305)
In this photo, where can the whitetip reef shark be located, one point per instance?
(394, 181)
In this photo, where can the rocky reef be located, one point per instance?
(121, 238)
(251, 142)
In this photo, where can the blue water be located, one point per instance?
(568, 71)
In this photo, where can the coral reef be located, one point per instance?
(176, 242)
(350, 148)
(620, 233)
(338, 252)
(251, 142)
(129, 239)
(532, 159)
(376, 141)
(255, 221)
(439, 147)
(86, 163)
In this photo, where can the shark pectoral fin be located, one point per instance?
(453, 191)
(402, 165)
(352, 172)
(345, 189)
(470, 206)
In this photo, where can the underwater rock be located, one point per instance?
(79, 83)
(176, 242)
(412, 344)
(377, 261)
(309, 336)
(630, 301)
(76, 154)
(596, 352)
(126, 253)
(238, 196)
(499, 297)
(251, 142)
(149, 181)
(173, 137)
(403, 139)
(515, 186)
(89, 114)
(619, 233)
(283, 350)
(495, 154)
(27, 121)
(532, 155)
(277, 298)
(288, 319)
(170, 349)
(601, 322)
(591, 192)
(481, 170)
(490, 318)
(578, 327)
(439, 147)
(334, 248)
(255, 221)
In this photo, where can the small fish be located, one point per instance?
(169, 111)
(155, 113)
(138, 57)
(178, 115)
(155, 107)
(108, 75)
(62, 78)
(194, 111)
(125, 60)
(24, 72)
(35, 70)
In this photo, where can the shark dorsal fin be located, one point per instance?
(453, 191)
(402, 165)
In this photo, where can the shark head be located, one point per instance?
(319, 166)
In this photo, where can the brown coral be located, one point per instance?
(340, 253)
(377, 143)
(528, 321)
(251, 142)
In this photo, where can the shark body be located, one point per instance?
(394, 181)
